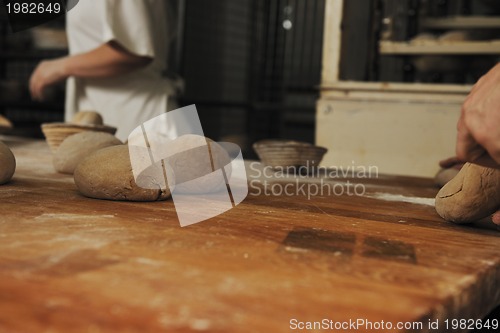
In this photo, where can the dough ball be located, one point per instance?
(78, 146)
(472, 195)
(193, 161)
(445, 175)
(422, 38)
(7, 164)
(455, 36)
(468, 35)
(107, 174)
(87, 118)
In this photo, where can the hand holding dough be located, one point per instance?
(472, 195)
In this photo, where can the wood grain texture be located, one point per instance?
(74, 264)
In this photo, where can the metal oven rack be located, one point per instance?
(395, 73)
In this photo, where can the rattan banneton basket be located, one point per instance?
(285, 153)
(56, 133)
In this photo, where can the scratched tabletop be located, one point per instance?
(286, 258)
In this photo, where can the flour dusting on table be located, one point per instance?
(402, 198)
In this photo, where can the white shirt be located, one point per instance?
(140, 26)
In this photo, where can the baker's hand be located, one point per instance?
(496, 218)
(478, 138)
(45, 74)
(451, 162)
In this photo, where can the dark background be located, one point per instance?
(249, 76)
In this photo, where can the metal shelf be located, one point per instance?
(462, 22)
(446, 48)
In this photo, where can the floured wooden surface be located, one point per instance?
(73, 264)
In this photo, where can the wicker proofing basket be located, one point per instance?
(56, 133)
(285, 154)
(5, 123)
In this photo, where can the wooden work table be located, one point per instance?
(74, 264)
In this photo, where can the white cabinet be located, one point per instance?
(399, 132)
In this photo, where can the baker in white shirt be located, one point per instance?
(118, 52)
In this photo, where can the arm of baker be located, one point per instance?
(107, 60)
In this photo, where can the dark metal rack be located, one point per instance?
(367, 22)
(253, 66)
(18, 59)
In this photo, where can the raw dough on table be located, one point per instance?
(445, 175)
(7, 164)
(78, 146)
(107, 174)
(472, 195)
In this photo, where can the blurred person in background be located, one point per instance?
(118, 51)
